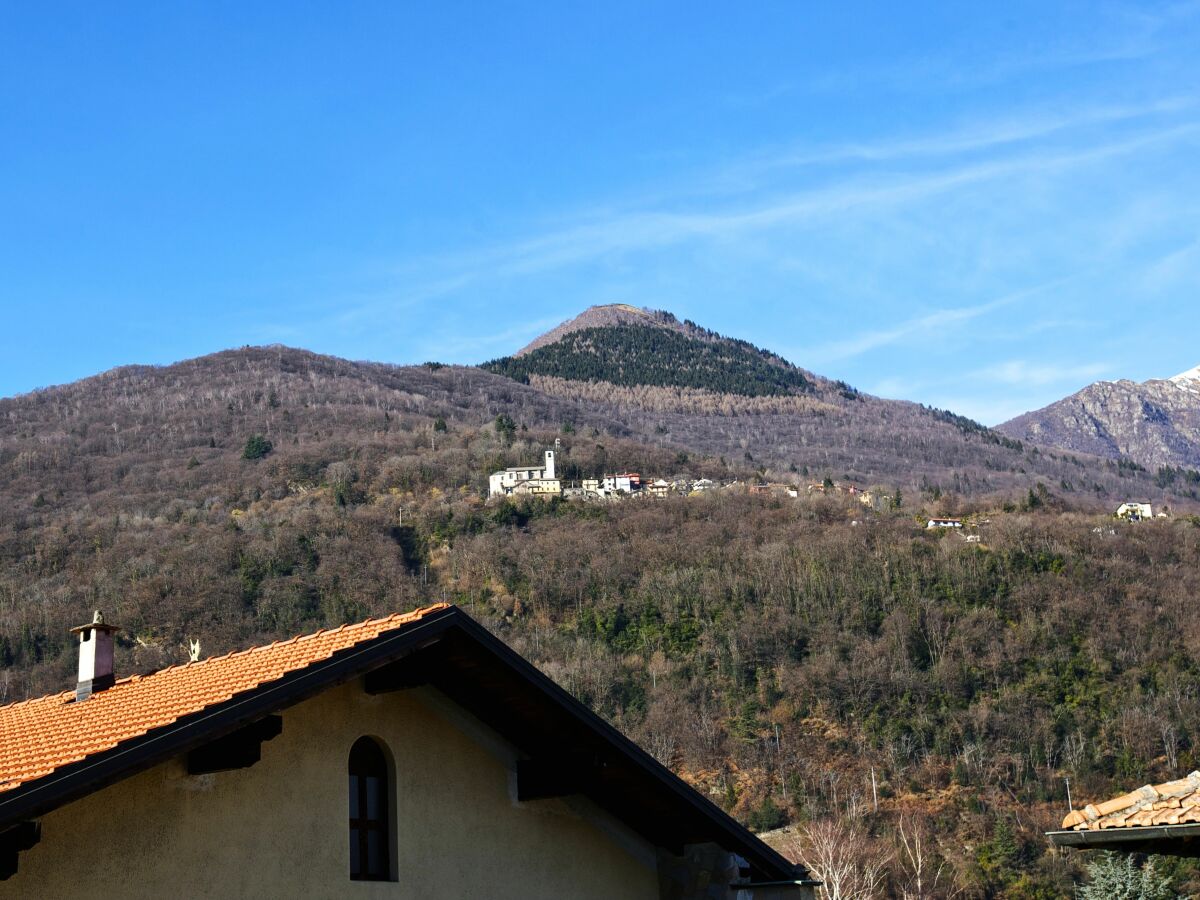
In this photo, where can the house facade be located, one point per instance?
(1134, 511)
(624, 483)
(538, 487)
(413, 756)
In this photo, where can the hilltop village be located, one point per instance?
(543, 481)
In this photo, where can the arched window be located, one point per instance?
(369, 805)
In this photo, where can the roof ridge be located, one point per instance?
(397, 618)
(35, 699)
(50, 732)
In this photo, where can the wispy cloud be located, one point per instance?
(460, 342)
(951, 217)
(1172, 268)
(641, 230)
(968, 138)
(1023, 373)
(929, 326)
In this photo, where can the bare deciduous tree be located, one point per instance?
(923, 873)
(844, 858)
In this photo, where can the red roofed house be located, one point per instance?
(410, 756)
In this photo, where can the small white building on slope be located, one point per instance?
(942, 522)
(1134, 511)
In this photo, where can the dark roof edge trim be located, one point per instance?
(1133, 834)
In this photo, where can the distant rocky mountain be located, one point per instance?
(1154, 423)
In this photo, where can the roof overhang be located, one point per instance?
(569, 749)
(1167, 840)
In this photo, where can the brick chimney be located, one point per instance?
(95, 656)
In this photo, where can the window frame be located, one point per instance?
(369, 761)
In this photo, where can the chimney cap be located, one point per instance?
(97, 624)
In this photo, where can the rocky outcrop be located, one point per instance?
(1154, 423)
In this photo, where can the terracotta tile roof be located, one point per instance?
(41, 735)
(1171, 803)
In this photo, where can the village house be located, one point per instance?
(625, 483)
(1134, 512)
(538, 487)
(412, 756)
(504, 483)
(659, 488)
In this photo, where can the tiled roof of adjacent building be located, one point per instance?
(39, 736)
(1170, 803)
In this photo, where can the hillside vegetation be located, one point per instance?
(778, 653)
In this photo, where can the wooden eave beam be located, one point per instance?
(13, 842)
(414, 669)
(237, 750)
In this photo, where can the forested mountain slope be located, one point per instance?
(777, 652)
(635, 355)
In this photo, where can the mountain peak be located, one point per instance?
(1190, 378)
(629, 347)
(604, 316)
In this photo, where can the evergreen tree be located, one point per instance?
(1113, 876)
(506, 428)
(257, 446)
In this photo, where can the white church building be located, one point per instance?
(526, 480)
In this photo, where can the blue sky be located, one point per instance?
(978, 206)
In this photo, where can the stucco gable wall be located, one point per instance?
(279, 828)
